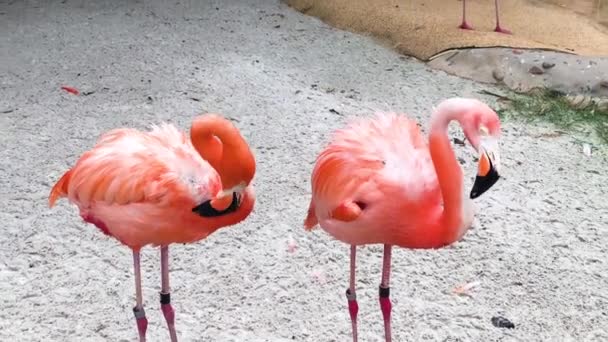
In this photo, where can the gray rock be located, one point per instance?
(548, 65)
(521, 72)
(498, 75)
(536, 70)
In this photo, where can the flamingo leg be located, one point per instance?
(353, 307)
(385, 302)
(165, 295)
(138, 310)
(498, 28)
(464, 25)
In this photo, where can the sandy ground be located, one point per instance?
(537, 249)
(566, 35)
(424, 28)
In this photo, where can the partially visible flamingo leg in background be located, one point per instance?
(165, 293)
(498, 28)
(385, 302)
(138, 310)
(465, 25)
(351, 296)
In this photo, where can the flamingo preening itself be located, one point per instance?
(161, 187)
(379, 182)
(465, 25)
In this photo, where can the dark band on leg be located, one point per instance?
(384, 292)
(165, 298)
(139, 312)
(350, 295)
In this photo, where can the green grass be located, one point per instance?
(554, 108)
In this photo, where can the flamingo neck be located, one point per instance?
(212, 137)
(449, 176)
(221, 144)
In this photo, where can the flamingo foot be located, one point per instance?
(353, 309)
(142, 322)
(465, 26)
(501, 30)
(386, 306)
(169, 313)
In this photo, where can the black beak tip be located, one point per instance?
(206, 210)
(483, 184)
(474, 194)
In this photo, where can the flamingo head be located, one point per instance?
(482, 129)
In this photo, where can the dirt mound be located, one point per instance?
(424, 28)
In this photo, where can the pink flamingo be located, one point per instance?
(466, 26)
(378, 182)
(161, 187)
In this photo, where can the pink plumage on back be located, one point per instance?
(129, 166)
(141, 186)
(382, 163)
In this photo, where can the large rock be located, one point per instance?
(524, 70)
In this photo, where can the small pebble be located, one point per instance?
(458, 141)
(547, 65)
(587, 150)
(536, 70)
(498, 75)
(501, 322)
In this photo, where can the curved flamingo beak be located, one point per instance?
(488, 167)
(219, 206)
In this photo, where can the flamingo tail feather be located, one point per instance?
(311, 219)
(60, 189)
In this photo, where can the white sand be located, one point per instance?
(538, 247)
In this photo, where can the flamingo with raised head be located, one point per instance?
(465, 25)
(378, 182)
(160, 187)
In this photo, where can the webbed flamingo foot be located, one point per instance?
(502, 30)
(464, 25)
(498, 28)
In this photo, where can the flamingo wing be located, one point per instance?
(129, 166)
(365, 160)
